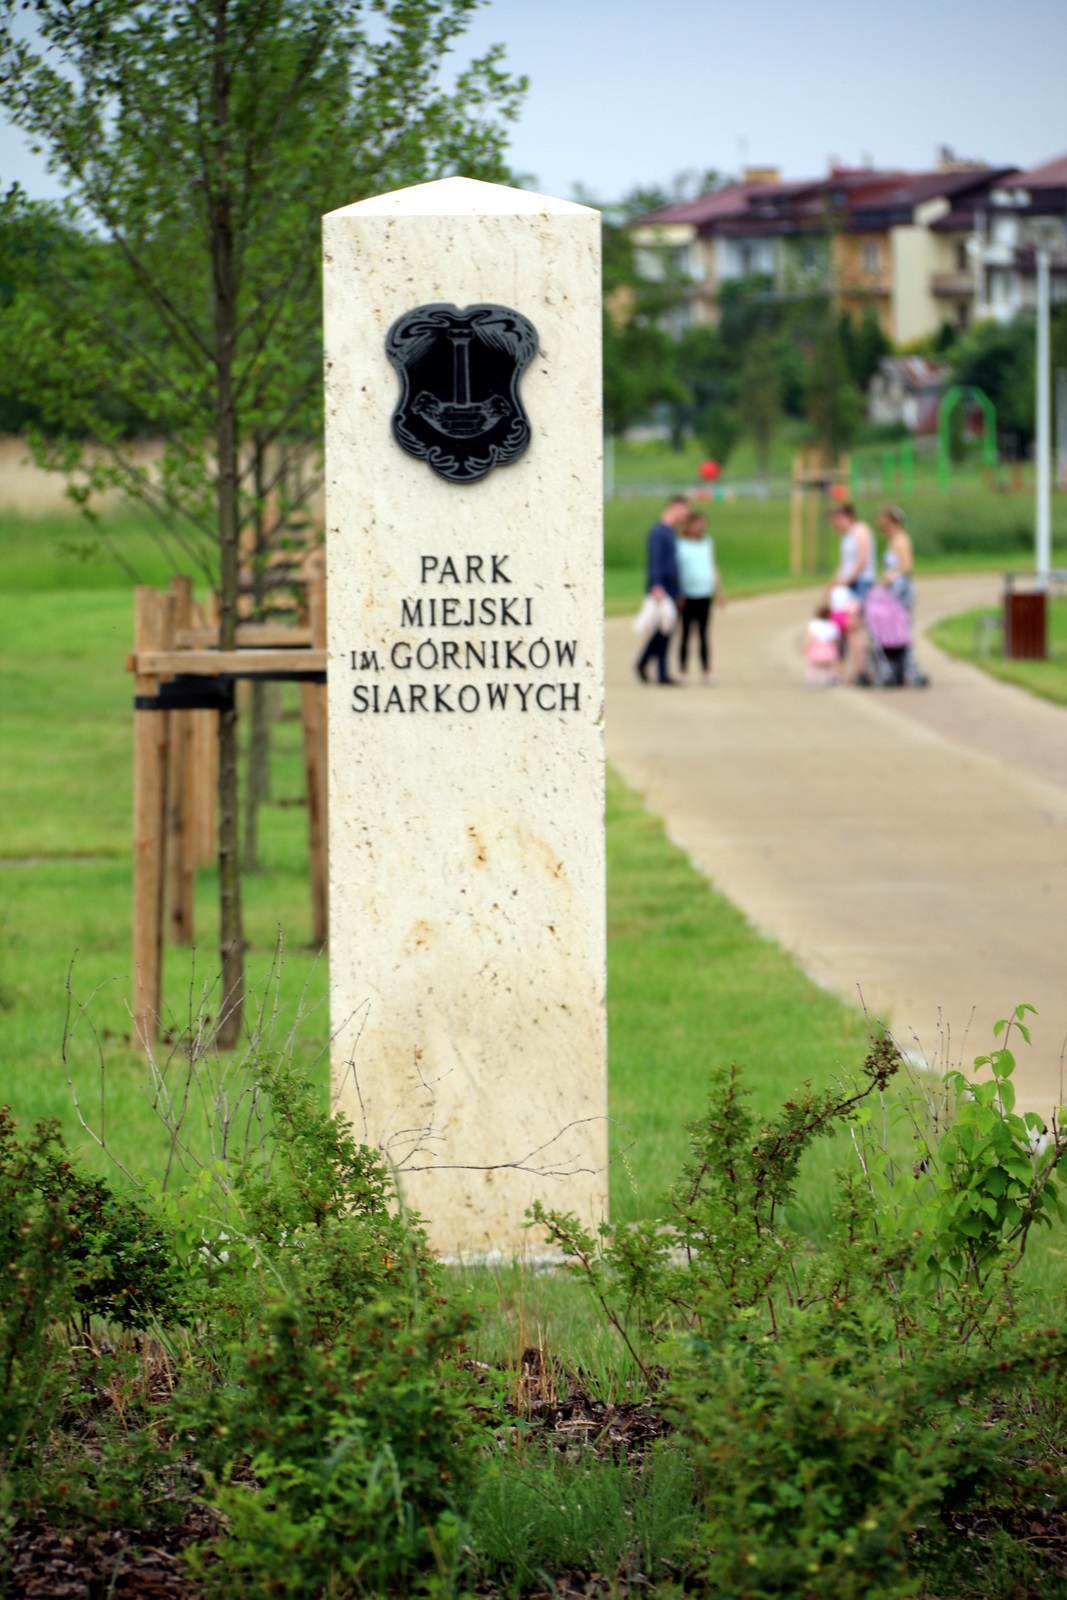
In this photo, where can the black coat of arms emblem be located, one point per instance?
(459, 407)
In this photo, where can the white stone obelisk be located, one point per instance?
(466, 814)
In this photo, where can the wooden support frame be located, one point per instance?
(181, 792)
(812, 480)
(313, 696)
(175, 765)
(149, 826)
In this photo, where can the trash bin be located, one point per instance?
(1025, 623)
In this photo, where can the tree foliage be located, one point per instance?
(760, 395)
(200, 142)
(639, 365)
(999, 358)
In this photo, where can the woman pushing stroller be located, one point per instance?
(896, 579)
(873, 609)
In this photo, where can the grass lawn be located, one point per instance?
(968, 529)
(960, 636)
(876, 468)
(688, 979)
(691, 985)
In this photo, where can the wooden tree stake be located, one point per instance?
(149, 818)
(181, 794)
(315, 756)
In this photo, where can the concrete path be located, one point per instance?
(907, 846)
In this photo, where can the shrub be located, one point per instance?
(361, 1450)
(300, 1208)
(36, 1236)
(837, 1400)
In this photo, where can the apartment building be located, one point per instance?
(1023, 212)
(920, 249)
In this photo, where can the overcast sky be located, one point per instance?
(632, 91)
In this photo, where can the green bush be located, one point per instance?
(361, 1451)
(838, 1400)
(36, 1237)
(71, 1250)
(301, 1209)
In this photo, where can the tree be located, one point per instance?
(200, 141)
(687, 185)
(639, 354)
(1000, 359)
(865, 343)
(835, 405)
(759, 396)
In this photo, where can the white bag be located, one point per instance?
(656, 616)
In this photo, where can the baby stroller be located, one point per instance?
(889, 642)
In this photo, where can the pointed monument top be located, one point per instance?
(460, 197)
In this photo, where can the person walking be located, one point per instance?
(856, 571)
(898, 576)
(856, 567)
(662, 584)
(698, 581)
(898, 558)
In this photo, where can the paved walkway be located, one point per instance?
(908, 846)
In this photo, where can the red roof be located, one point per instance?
(1050, 175)
(752, 206)
(920, 186)
(706, 208)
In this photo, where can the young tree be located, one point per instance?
(865, 343)
(835, 405)
(200, 142)
(759, 396)
(639, 354)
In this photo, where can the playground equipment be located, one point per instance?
(895, 471)
(949, 401)
(815, 481)
(182, 681)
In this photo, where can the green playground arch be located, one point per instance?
(949, 401)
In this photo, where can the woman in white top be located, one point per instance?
(857, 571)
(898, 558)
(698, 580)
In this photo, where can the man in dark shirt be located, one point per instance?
(662, 581)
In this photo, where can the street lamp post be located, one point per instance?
(1043, 441)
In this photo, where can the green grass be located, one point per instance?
(962, 531)
(65, 552)
(688, 980)
(876, 467)
(533, 1518)
(691, 985)
(960, 636)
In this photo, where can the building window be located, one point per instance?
(962, 259)
(871, 257)
(649, 265)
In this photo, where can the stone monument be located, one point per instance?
(465, 599)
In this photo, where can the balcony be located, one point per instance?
(954, 284)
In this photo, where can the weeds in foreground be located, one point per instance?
(260, 1349)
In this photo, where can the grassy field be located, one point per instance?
(688, 979)
(877, 468)
(961, 531)
(962, 636)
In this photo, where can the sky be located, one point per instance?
(632, 91)
(629, 92)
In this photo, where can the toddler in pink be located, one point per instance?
(822, 650)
